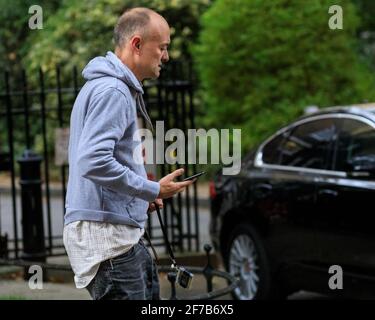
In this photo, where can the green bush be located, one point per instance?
(261, 62)
(81, 30)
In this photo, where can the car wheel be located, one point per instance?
(245, 258)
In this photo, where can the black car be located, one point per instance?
(304, 202)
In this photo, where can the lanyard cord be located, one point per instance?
(170, 251)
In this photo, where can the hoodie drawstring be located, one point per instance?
(142, 109)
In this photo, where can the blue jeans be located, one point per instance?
(130, 276)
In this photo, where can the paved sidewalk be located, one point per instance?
(18, 289)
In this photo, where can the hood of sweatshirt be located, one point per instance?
(112, 66)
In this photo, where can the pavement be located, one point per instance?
(13, 287)
(61, 286)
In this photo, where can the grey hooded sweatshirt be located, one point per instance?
(107, 179)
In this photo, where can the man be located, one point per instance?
(108, 193)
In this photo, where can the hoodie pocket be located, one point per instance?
(115, 202)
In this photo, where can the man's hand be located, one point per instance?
(151, 206)
(168, 188)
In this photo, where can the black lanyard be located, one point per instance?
(170, 251)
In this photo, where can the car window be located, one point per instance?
(356, 146)
(271, 151)
(308, 145)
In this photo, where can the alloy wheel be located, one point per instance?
(243, 264)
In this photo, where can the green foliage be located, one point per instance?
(73, 33)
(14, 30)
(12, 297)
(262, 62)
(367, 11)
(366, 30)
(81, 30)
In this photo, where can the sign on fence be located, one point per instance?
(61, 146)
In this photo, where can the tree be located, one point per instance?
(366, 30)
(262, 62)
(14, 28)
(73, 33)
(81, 30)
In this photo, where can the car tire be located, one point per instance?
(245, 257)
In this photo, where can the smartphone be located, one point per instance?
(194, 176)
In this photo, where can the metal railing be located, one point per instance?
(29, 114)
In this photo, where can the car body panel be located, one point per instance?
(310, 219)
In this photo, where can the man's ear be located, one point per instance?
(136, 43)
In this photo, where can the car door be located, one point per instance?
(304, 152)
(262, 187)
(345, 204)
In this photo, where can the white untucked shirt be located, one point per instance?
(88, 243)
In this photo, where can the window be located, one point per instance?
(271, 151)
(308, 145)
(356, 146)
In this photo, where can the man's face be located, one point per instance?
(154, 50)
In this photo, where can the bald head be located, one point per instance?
(142, 37)
(136, 21)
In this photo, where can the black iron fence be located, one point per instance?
(33, 181)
